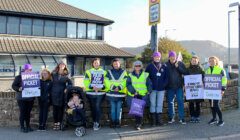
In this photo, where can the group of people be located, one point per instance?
(151, 85)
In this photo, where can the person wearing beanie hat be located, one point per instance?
(158, 73)
(139, 86)
(25, 103)
(174, 88)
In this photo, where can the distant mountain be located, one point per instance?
(202, 48)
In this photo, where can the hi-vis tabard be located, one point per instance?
(218, 70)
(120, 82)
(139, 84)
(95, 78)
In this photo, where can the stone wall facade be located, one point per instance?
(9, 111)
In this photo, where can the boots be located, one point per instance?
(159, 119)
(153, 119)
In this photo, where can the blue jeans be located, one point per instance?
(95, 105)
(170, 97)
(156, 100)
(116, 110)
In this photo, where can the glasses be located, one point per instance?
(138, 66)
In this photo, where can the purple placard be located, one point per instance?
(212, 82)
(30, 80)
(97, 78)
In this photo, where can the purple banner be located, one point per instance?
(30, 80)
(212, 82)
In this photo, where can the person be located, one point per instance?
(215, 107)
(175, 87)
(158, 74)
(117, 91)
(44, 99)
(95, 86)
(76, 108)
(194, 105)
(25, 104)
(60, 84)
(139, 86)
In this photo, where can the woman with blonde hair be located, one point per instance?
(215, 108)
(44, 99)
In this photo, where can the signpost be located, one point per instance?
(154, 19)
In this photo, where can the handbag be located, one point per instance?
(137, 107)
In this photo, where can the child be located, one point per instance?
(76, 108)
(44, 99)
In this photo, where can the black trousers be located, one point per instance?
(43, 112)
(215, 108)
(79, 114)
(58, 113)
(25, 108)
(194, 108)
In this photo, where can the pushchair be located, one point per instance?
(68, 118)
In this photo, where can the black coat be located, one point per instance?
(17, 83)
(175, 79)
(60, 83)
(46, 87)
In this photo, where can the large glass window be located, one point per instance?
(71, 29)
(38, 27)
(36, 62)
(6, 66)
(3, 24)
(19, 60)
(49, 28)
(82, 30)
(79, 66)
(26, 26)
(61, 29)
(99, 32)
(92, 31)
(50, 62)
(13, 25)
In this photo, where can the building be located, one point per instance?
(44, 32)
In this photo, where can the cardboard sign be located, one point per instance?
(193, 86)
(213, 87)
(30, 84)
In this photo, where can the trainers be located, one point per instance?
(182, 121)
(96, 126)
(192, 120)
(197, 120)
(212, 121)
(220, 123)
(138, 126)
(171, 120)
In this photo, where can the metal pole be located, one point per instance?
(156, 50)
(238, 57)
(229, 45)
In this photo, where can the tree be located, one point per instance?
(164, 46)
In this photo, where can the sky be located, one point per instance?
(180, 20)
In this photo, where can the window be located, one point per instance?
(61, 29)
(49, 28)
(19, 60)
(78, 66)
(6, 66)
(13, 25)
(3, 24)
(38, 27)
(71, 29)
(92, 31)
(50, 62)
(82, 30)
(99, 32)
(26, 26)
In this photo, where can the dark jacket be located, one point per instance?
(159, 83)
(196, 69)
(46, 87)
(60, 83)
(17, 83)
(175, 79)
(131, 88)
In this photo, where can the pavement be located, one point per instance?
(175, 131)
